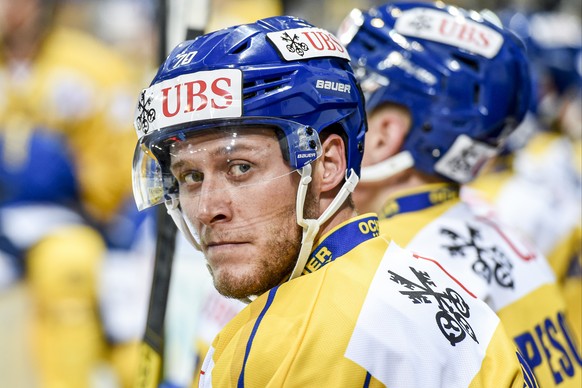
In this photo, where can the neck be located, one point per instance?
(342, 215)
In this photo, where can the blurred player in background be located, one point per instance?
(535, 184)
(444, 88)
(70, 85)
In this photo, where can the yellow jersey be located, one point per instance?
(497, 266)
(365, 313)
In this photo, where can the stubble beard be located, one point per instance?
(277, 261)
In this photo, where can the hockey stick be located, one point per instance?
(152, 346)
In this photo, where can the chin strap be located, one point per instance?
(172, 206)
(311, 226)
(387, 168)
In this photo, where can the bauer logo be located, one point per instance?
(336, 86)
(442, 27)
(304, 157)
(305, 43)
(191, 97)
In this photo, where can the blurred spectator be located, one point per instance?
(64, 89)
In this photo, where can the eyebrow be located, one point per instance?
(220, 151)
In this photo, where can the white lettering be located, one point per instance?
(190, 97)
(305, 156)
(329, 85)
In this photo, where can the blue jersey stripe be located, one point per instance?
(419, 201)
(368, 379)
(270, 298)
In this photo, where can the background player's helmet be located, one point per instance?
(464, 80)
(279, 71)
(554, 49)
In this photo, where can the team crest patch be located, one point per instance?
(491, 263)
(145, 113)
(453, 311)
(306, 43)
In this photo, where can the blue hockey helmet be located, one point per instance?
(464, 80)
(279, 71)
(281, 75)
(554, 47)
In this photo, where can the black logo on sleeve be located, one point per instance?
(145, 115)
(453, 311)
(490, 263)
(294, 45)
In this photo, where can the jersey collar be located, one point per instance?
(342, 239)
(419, 198)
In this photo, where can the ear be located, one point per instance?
(387, 130)
(333, 163)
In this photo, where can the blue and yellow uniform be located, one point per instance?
(513, 277)
(60, 251)
(364, 313)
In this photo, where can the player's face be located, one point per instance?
(239, 195)
(17, 16)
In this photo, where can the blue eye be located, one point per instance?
(239, 169)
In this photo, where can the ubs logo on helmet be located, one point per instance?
(440, 26)
(304, 43)
(188, 98)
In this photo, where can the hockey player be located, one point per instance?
(443, 88)
(252, 137)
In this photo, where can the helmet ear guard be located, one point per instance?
(455, 86)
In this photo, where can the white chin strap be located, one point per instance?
(174, 212)
(387, 168)
(311, 226)
(185, 228)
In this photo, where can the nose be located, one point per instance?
(214, 203)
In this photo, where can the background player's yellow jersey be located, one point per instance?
(514, 278)
(539, 193)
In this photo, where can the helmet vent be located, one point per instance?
(468, 62)
(476, 93)
(255, 88)
(241, 47)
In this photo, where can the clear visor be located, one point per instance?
(217, 156)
